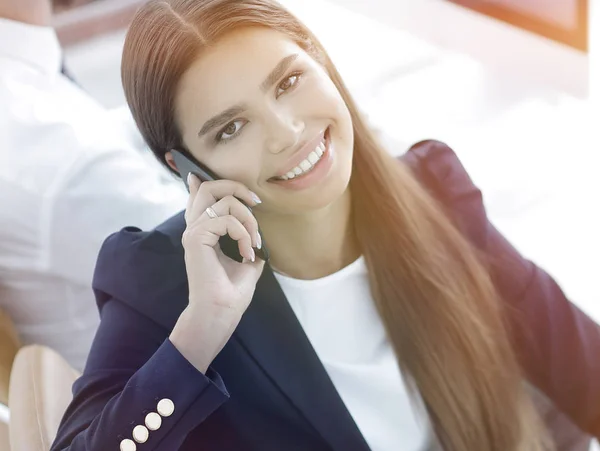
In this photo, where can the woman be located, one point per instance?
(376, 265)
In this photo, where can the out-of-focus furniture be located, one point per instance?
(4, 442)
(9, 345)
(40, 391)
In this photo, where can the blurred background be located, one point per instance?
(512, 85)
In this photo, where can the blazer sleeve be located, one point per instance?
(557, 344)
(131, 367)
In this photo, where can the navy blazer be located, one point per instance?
(267, 390)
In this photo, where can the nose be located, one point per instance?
(284, 131)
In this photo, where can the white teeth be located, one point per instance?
(305, 165)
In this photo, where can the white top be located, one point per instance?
(339, 317)
(69, 176)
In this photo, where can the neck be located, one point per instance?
(32, 12)
(314, 245)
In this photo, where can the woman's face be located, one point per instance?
(257, 109)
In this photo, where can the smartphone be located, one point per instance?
(186, 164)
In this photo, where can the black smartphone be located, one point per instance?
(185, 164)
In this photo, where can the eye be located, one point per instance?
(289, 83)
(230, 130)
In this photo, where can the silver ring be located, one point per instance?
(211, 213)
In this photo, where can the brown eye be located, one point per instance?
(230, 129)
(287, 84)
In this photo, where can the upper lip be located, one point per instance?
(301, 153)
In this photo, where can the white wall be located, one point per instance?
(496, 44)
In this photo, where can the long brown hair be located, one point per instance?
(437, 302)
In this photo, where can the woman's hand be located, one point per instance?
(220, 289)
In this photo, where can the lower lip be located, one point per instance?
(315, 175)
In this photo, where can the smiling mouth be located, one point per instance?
(309, 163)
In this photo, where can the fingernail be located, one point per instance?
(190, 178)
(255, 198)
(258, 241)
(252, 255)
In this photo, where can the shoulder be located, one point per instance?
(438, 167)
(439, 170)
(143, 268)
(556, 343)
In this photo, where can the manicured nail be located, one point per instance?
(255, 198)
(190, 178)
(252, 255)
(258, 241)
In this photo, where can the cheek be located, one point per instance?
(332, 100)
(237, 164)
(317, 96)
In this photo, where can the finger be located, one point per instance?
(230, 205)
(212, 191)
(258, 265)
(207, 233)
(247, 279)
(193, 184)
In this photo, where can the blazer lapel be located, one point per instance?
(270, 331)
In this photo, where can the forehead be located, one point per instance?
(238, 61)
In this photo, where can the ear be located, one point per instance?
(171, 162)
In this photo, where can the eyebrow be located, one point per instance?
(221, 118)
(231, 113)
(278, 72)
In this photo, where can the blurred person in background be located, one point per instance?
(69, 175)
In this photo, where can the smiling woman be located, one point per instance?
(285, 103)
(381, 319)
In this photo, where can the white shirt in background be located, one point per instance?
(69, 177)
(340, 319)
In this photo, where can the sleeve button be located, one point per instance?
(153, 421)
(165, 407)
(140, 434)
(127, 445)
